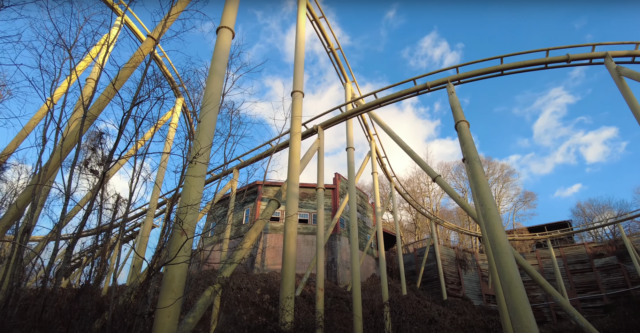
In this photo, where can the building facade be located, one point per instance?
(266, 254)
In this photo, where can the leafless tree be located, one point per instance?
(598, 210)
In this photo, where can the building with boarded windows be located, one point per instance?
(266, 254)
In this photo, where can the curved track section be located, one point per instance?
(547, 58)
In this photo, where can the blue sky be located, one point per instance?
(568, 131)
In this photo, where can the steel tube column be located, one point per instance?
(556, 271)
(72, 133)
(60, 91)
(145, 229)
(424, 261)
(436, 248)
(320, 260)
(396, 222)
(224, 253)
(87, 197)
(78, 111)
(435, 177)
(227, 228)
(332, 225)
(288, 272)
(112, 265)
(382, 261)
(628, 73)
(622, 85)
(522, 319)
(630, 249)
(370, 241)
(505, 318)
(241, 251)
(354, 251)
(555, 295)
(180, 242)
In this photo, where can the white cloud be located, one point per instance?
(569, 191)
(413, 121)
(433, 51)
(390, 20)
(559, 140)
(579, 23)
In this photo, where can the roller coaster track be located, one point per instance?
(488, 68)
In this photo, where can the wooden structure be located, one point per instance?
(594, 275)
(266, 256)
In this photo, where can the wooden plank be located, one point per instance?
(597, 276)
(541, 267)
(479, 271)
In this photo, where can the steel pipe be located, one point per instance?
(354, 251)
(436, 248)
(555, 295)
(180, 242)
(622, 85)
(61, 90)
(241, 251)
(320, 260)
(630, 249)
(145, 229)
(556, 271)
(396, 223)
(224, 253)
(628, 73)
(73, 134)
(332, 225)
(288, 271)
(522, 319)
(382, 261)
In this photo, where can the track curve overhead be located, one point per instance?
(424, 84)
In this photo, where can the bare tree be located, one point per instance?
(598, 210)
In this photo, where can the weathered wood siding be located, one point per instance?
(593, 274)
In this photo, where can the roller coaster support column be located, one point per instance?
(628, 73)
(631, 100)
(436, 248)
(179, 248)
(370, 240)
(424, 261)
(382, 261)
(224, 253)
(62, 89)
(630, 249)
(227, 227)
(288, 272)
(435, 177)
(556, 270)
(505, 318)
(354, 249)
(320, 261)
(145, 229)
(241, 251)
(37, 250)
(555, 295)
(522, 318)
(474, 215)
(73, 133)
(396, 222)
(332, 225)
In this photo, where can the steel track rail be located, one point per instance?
(391, 97)
(546, 63)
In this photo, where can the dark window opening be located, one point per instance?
(276, 216)
(303, 218)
